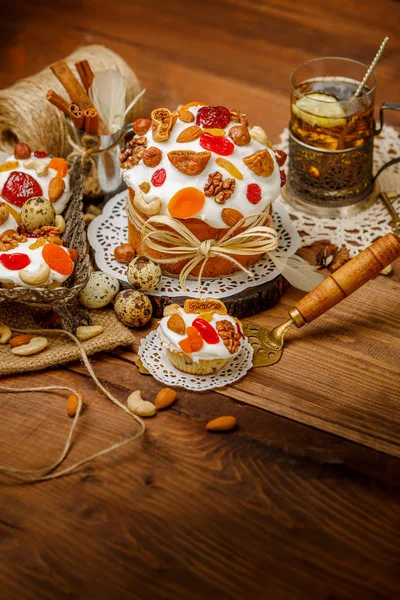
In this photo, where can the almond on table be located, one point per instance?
(165, 398)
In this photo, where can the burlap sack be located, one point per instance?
(60, 349)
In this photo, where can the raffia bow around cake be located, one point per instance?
(170, 237)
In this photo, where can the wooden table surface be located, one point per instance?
(275, 510)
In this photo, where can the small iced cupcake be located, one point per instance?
(28, 174)
(200, 338)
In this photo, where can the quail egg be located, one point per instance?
(99, 291)
(143, 274)
(37, 212)
(133, 308)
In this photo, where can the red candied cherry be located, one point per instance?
(280, 156)
(40, 154)
(206, 330)
(240, 332)
(213, 117)
(217, 144)
(19, 187)
(159, 177)
(16, 261)
(283, 177)
(253, 193)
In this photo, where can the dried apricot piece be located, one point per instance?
(57, 259)
(186, 203)
(59, 165)
(193, 342)
(229, 166)
(185, 345)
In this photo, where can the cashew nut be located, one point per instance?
(37, 344)
(37, 277)
(140, 407)
(258, 134)
(86, 332)
(88, 218)
(147, 208)
(387, 270)
(59, 223)
(5, 333)
(41, 167)
(170, 309)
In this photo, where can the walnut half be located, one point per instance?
(217, 187)
(228, 335)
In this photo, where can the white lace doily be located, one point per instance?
(110, 229)
(358, 231)
(155, 359)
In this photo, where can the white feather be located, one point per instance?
(108, 96)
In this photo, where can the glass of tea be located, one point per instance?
(331, 136)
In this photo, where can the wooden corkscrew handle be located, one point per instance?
(347, 279)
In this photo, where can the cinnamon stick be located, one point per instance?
(85, 73)
(74, 89)
(91, 120)
(58, 101)
(77, 116)
(76, 92)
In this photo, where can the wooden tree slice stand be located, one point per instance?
(246, 303)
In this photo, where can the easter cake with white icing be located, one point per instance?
(34, 190)
(28, 174)
(200, 338)
(204, 167)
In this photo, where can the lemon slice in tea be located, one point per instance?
(319, 110)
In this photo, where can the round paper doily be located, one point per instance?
(155, 359)
(110, 229)
(358, 231)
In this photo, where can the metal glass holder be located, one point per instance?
(333, 183)
(329, 183)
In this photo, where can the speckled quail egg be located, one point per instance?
(143, 274)
(133, 308)
(99, 291)
(37, 212)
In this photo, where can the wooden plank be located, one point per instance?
(189, 514)
(320, 379)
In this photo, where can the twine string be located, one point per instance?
(24, 108)
(86, 149)
(46, 473)
(178, 243)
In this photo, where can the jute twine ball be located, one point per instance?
(26, 115)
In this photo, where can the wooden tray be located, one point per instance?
(243, 304)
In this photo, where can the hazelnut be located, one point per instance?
(22, 151)
(152, 156)
(240, 135)
(141, 126)
(124, 253)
